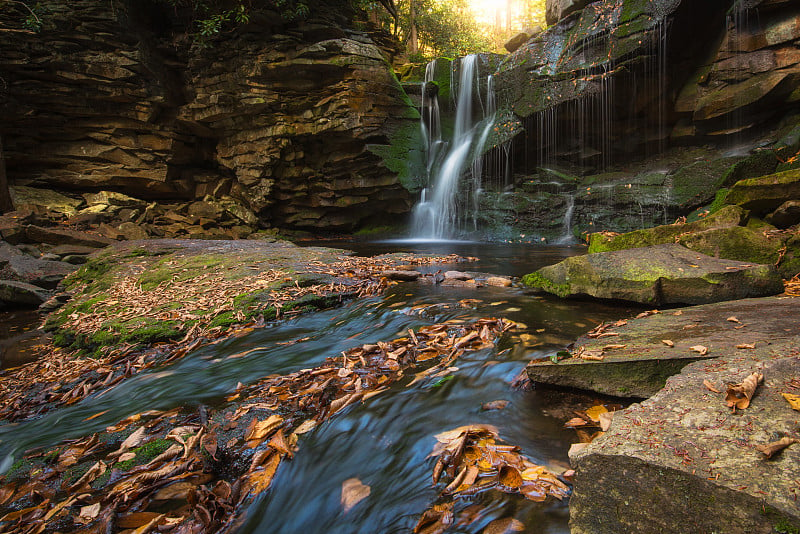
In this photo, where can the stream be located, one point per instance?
(386, 441)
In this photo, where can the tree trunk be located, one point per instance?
(6, 204)
(413, 38)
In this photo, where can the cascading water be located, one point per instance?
(440, 213)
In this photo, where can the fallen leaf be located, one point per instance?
(259, 430)
(576, 422)
(613, 347)
(89, 513)
(793, 400)
(494, 405)
(668, 342)
(605, 420)
(595, 411)
(575, 448)
(746, 346)
(305, 426)
(504, 526)
(739, 395)
(178, 490)
(732, 319)
(353, 492)
(771, 449)
(709, 386)
(701, 349)
(509, 476)
(136, 519)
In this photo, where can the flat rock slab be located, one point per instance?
(637, 363)
(659, 275)
(15, 294)
(681, 461)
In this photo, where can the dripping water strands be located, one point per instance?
(448, 204)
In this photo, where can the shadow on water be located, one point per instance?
(385, 441)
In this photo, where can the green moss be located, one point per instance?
(92, 273)
(145, 453)
(780, 521)
(536, 280)
(89, 304)
(224, 320)
(152, 333)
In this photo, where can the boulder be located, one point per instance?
(401, 275)
(132, 231)
(558, 9)
(45, 198)
(21, 294)
(457, 275)
(787, 214)
(658, 275)
(765, 194)
(727, 217)
(15, 265)
(64, 236)
(498, 281)
(516, 41)
(682, 462)
(112, 198)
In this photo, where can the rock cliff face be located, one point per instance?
(628, 77)
(281, 116)
(631, 113)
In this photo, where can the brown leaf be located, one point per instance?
(746, 346)
(353, 492)
(773, 448)
(793, 400)
(178, 490)
(739, 395)
(260, 480)
(509, 476)
(732, 319)
(613, 347)
(668, 342)
(709, 386)
(89, 513)
(504, 526)
(576, 422)
(494, 405)
(279, 444)
(701, 349)
(605, 420)
(259, 430)
(136, 519)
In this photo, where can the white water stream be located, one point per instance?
(449, 203)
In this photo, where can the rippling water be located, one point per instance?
(385, 441)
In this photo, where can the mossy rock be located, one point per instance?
(696, 184)
(658, 275)
(764, 194)
(727, 217)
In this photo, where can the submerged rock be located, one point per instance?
(658, 275)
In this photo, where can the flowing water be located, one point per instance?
(385, 441)
(442, 211)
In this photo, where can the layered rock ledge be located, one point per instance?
(681, 461)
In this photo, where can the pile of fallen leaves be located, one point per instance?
(192, 473)
(792, 287)
(62, 377)
(471, 461)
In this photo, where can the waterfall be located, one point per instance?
(566, 229)
(446, 204)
